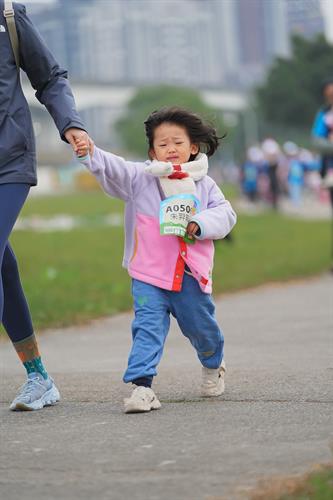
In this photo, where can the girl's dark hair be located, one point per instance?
(200, 133)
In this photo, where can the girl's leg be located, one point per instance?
(149, 330)
(195, 314)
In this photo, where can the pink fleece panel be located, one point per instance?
(154, 256)
(200, 258)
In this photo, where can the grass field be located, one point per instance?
(316, 485)
(71, 277)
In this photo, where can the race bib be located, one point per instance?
(176, 212)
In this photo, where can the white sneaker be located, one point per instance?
(213, 381)
(142, 399)
(36, 393)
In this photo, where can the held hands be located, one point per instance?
(78, 138)
(192, 229)
(82, 149)
(82, 145)
(75, 134)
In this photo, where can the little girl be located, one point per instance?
(171, 271)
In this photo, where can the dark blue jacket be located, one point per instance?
(17, 143)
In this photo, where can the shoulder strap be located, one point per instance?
(10, 19)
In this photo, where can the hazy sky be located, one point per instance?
(38, 1)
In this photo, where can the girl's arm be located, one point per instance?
(217, 220)
(118, 177)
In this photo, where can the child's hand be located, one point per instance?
(91, 146)
(192, 229)
(83, 149)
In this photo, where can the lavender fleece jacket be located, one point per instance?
(149, 256)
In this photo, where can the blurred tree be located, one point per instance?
(147, 99)
(291, 94)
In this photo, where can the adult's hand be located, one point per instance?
(76, 135)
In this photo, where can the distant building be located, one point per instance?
(253, 32)
(327, 12)
(200, 43)
(135, 42)
(305, 17)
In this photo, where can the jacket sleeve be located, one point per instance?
(320, 133)
(117, 177)
(217, 220)
(47, 78)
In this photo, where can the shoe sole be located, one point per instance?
(136, 408)
(50, 398)
(211, 394)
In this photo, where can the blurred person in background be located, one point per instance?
(250, 172)
(271, 151)
(22, 47)
(311, 166)
(322, 133)
(295, 172)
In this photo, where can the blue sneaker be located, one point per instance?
(36, 393)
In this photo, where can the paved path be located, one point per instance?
(276, 416)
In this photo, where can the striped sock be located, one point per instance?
(35, 366)
(27, 350)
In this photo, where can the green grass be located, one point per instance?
(70, 277)
(318, 486)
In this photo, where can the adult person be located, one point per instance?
(322, 133)
(18, 174)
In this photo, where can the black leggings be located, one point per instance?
(14, 310)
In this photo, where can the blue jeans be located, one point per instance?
(194, 312)
(14, 311)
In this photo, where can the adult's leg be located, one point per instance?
(149, 330)
(13, 305)
(12, 198)
(16, 315)
(39, 389)
(195, 314)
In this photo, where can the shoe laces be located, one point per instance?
(29, 385)
(142, 392)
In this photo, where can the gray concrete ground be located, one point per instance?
(275, 418)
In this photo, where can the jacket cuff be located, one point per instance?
(78, 125)
(201, 226)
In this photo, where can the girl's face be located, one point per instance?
(172, 144)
